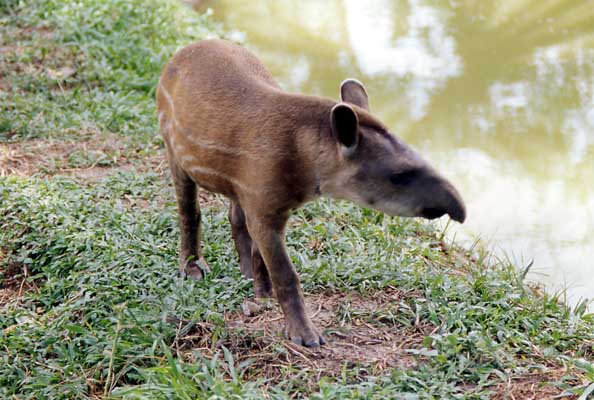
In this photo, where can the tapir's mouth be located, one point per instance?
(432, 213)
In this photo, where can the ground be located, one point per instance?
(92, 306)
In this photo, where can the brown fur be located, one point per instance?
(229, 128)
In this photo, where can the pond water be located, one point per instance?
(498, 95)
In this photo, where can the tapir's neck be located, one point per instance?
(322, 160)
(314, 112)
(304, 111)
(308, 117)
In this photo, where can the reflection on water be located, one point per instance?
(499, 95)
(424, 51)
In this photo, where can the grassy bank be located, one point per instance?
(91, 304)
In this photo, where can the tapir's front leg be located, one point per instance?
(268, 233)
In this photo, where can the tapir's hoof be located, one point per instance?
(192, 272)
(195, 270)
(308, 337)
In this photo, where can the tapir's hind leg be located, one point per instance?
(262, 283)
(191, 262)
(250, 259)
(243, 241)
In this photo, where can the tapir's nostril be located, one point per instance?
(432, 213)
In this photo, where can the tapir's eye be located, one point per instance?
(405, 177)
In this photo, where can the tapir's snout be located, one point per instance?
(457, 210)
(444, 199)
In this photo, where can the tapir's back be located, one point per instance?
(214, 100)
(218, 76)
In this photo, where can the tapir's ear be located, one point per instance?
(345, 125)
(352, 91)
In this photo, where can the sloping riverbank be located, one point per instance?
(91, 302)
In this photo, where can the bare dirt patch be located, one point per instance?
(13, 281)
(90, 157)
(355, 345)
(531, 387)
(360, 346)
(20, 54)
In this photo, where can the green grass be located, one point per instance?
(88, 65)
(99, 258)
(106, 271)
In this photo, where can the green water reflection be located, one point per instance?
(499, 95)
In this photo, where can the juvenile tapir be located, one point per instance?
(229, 128)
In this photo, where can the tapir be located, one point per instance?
(229, 128)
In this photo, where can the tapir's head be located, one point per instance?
(377, 170)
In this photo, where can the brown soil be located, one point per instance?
(13, 282)
(530, 387)
(48, 157)
(57, 62)
(90, 157)
(362, 346)
(374, 348)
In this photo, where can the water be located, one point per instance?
(498, 95)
